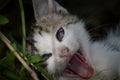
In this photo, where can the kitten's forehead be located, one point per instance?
(52, 22)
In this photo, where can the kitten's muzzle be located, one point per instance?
(64, 53)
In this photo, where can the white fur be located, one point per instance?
(101, 56)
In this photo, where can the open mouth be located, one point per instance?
(79, 66)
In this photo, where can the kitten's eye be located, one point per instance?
(47, 56)
(60, 34)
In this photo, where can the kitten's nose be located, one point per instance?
(64, 52)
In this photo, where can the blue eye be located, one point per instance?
(60, 34)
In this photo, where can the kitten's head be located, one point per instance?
(62, 40)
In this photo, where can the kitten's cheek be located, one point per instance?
(51, 64)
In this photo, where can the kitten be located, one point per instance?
(65, 44)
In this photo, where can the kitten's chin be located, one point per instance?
(79, 66)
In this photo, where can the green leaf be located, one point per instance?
(35, 58)
(14, 45)
(10, 59)
(3, 20)
(43, 72)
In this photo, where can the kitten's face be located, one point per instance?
(57, 39)
(61, 39)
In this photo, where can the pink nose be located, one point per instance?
(64, 52)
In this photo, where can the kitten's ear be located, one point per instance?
(46, 7)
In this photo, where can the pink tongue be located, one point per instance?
(79, 66)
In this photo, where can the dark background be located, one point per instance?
(98, 14)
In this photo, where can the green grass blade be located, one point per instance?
(23, 27)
